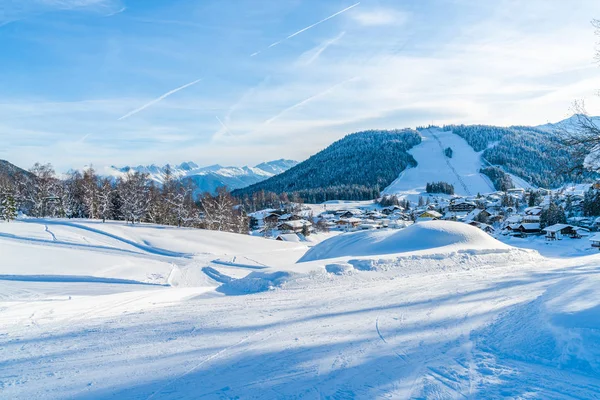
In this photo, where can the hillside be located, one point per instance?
(9, 173)
(461, 170)
(353, 168)
(531, 153)
(208, 179)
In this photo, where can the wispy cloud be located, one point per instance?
(308, 100)
(14, 11)
(380, 17)
(116, 12)
(137, 110)
(307, 28)
(310, 56)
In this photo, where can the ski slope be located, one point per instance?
(462, 170)
(438, 310)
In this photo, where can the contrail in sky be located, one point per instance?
(137, 110)
(307, 28)
(116, 12)
(223, 125)
(307, 100)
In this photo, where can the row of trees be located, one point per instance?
(132, 198)
(439, 187)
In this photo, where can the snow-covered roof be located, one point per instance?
(514, 219)
(556, 227)
(289, 237)
(432, 213)
(530, 226)
(533, 210)
(296, 224)
(595, 238)
(350, 220)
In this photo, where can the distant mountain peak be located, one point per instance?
(209, 178)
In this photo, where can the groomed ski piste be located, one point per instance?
(436, 310)
(461, 170)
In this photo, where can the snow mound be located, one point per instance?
(256, 282)
(339, 268)
(426, 237)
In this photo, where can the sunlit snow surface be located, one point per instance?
(438, 310)
(461, 171)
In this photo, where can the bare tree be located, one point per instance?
(134, 192)
(582, 135)
(222, 213)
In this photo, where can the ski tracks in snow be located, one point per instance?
(207, 360)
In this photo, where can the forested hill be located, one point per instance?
(356, 167)
(9, 174)
(533, 154)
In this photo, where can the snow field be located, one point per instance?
(437, 310)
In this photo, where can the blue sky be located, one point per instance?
(81, 81)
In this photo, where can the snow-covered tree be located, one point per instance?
(134, 194)
(222, 213)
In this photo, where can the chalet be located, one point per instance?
(293, 226)
(595, 240)
(557, 231)
(350, 213)
(271, 218)
(533, 210)
(456, 216)
(517, 191)
(596, 224)
(513, 219)
(366, 225)
(509, 210)
(461, 206)
(495, 218)
(289, 217)
(476, 214)
(531, 218)
(429, 215)
(290, 237)
(348, 222)
(487, 228)
(390, 210)
(580, 232)
(525, 229)
(484, 227)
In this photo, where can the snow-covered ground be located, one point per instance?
(461, 170)
(437, 310)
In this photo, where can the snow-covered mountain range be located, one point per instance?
(208, 179)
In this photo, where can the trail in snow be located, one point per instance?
(451, 321)
(449, 163)
(146, 248)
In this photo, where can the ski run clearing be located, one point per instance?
(438, 310)
(461, 170)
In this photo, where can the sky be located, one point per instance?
(238, 82)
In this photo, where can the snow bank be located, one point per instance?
(339, 268)
(256, 282)
(425, 237)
